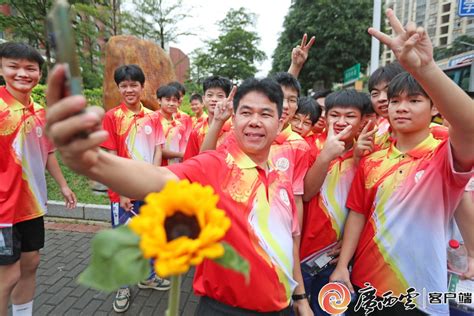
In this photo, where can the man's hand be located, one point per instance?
(334, 146)
(335, 251)
(411, 45)
(126, 203)
(299, 54)
(365, 141)
(69, 197)
(341, 274)
(302, 308)
(224, 109)
(65, 122)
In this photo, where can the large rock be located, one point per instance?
(155, 62)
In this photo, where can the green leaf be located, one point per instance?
(234, 261)
(116, 261)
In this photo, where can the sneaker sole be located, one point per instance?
(144, 287)
(121, 310)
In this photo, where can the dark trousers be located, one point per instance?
(210, 307)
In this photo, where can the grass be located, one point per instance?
(78, 184)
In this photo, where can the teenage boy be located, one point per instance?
(25, 154)
(174, 130)
(403, 197)
(320, 97)
(290, 152)
(327, 185)
(264, 223)
(216, 89)
(306, 116)
(184, 118)
(197, 106)
(135, 133)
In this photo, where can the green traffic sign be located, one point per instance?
(351, 74)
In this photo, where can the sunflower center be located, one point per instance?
(180, 224)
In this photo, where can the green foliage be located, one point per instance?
(93, 96)
(233, 54)
(461, 44)
(232, 260)
(80, 185)
(116, 260)
(341, 35)
(156, 20)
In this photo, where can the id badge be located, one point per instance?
(6, 241)
(316, 265)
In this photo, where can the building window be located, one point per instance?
(447, 7)
(443, 41)
(445, 19)
(444, 29)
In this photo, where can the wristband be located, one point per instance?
(297, 297)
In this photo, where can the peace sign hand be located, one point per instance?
(224, 109)
(365, 141)
(334, 146)
(411, 45)
(299, 54)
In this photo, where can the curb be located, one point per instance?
(82, 211)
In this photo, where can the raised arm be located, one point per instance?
(414, 51)
(222, 113)
(333, 148)
(299, 55)
(65, 121)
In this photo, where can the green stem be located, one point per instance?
(173, 299)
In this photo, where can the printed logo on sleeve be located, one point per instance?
(282, 164)
(148, 129)
(39, 131)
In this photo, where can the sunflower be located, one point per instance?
(180, 226)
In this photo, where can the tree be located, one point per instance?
(155, 20)
(340, 28)
(28, 23)
(461, 44)
(234, 53)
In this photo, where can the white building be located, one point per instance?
(439, 17)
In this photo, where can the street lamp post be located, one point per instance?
(375, 50)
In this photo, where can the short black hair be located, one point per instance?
(178, 86)
(129, 72)
(368, 108)
(309, 107)
(167, 92)
(288, 81)
(217, 82)
(267, 86)
(347, 98)
(405, 83)
(384, 74)
(21, 51)
(196, 96)
(321, 93)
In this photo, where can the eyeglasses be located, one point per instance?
(297, 121)
(291, 100)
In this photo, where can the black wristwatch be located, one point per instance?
(297, 297)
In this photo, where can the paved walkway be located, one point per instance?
(65, 256)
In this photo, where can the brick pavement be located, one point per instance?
(65, 256)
